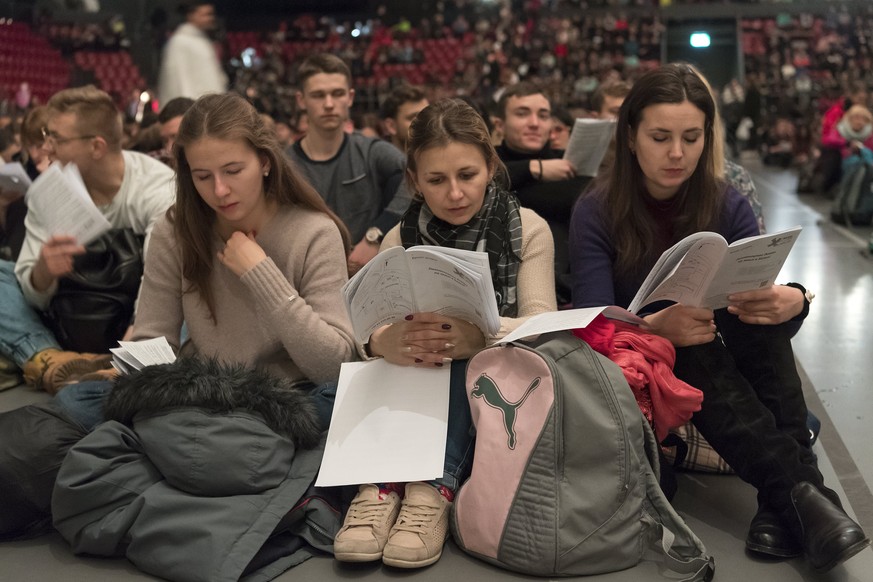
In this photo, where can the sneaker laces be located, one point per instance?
(367, 512)
(415, 517)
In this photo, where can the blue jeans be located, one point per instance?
(83, 402)
(460, 435)
(22, 333)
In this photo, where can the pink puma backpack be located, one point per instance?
(564, 478)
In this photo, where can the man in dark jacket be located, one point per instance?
(540, 177)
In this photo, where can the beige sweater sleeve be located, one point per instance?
(310, 320)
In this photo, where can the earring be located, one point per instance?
(266, 173)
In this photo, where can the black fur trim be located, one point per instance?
(217, 387)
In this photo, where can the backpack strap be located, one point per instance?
(671, 537)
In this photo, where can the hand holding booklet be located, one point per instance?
(588, 143)
(423, 278)
(132, 356)
(61, 200)
(702, 269)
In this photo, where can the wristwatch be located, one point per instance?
(374, 236)
(808, 297)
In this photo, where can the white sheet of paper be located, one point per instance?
(60, 198)
(567, 319)
(389, 425)
(148, 352)
(588, 143)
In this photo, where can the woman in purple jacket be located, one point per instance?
(662, 188)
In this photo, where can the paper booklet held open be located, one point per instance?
(423, 278)
(61, 200)
(132, 356)
(702, 269)
(588, 143)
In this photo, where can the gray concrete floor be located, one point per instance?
(834, 350)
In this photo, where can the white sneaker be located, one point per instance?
(418, 537)
(366, 526)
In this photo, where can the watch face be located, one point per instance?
(373, 235)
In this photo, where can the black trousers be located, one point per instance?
(753, 411)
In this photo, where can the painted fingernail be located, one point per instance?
(418, 361)
(408, 318)
(439, 364)
(449, 346)
(447, 326)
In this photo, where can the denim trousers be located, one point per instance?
(22, 333)
(460, 434)
(83, 402)
(753, 411)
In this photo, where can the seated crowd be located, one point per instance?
(251, 229)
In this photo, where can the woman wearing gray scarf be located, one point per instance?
(461, 202)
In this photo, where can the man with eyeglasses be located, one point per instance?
(132, 191)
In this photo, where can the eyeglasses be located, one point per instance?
(54, 138)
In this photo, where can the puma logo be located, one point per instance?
(484, 387)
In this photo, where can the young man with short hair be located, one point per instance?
(170, 118)
(607, 99)
(540, 177)
(361, 178)
(398, 110)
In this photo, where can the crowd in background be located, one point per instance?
(795, 67)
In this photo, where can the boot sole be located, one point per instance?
(771, 552)
(844, 555)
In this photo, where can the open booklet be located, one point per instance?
(588, 143)
(702, 269)
(61, 200)
(132, 356)
(423, 278)
(14, 177)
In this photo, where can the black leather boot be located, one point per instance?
(770, 537)
(828, 535)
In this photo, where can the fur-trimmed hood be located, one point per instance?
(218, 388)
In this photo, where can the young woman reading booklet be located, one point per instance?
(460, 202)
(662, 188)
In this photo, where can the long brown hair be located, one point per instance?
(229, 117)
(699, 199)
